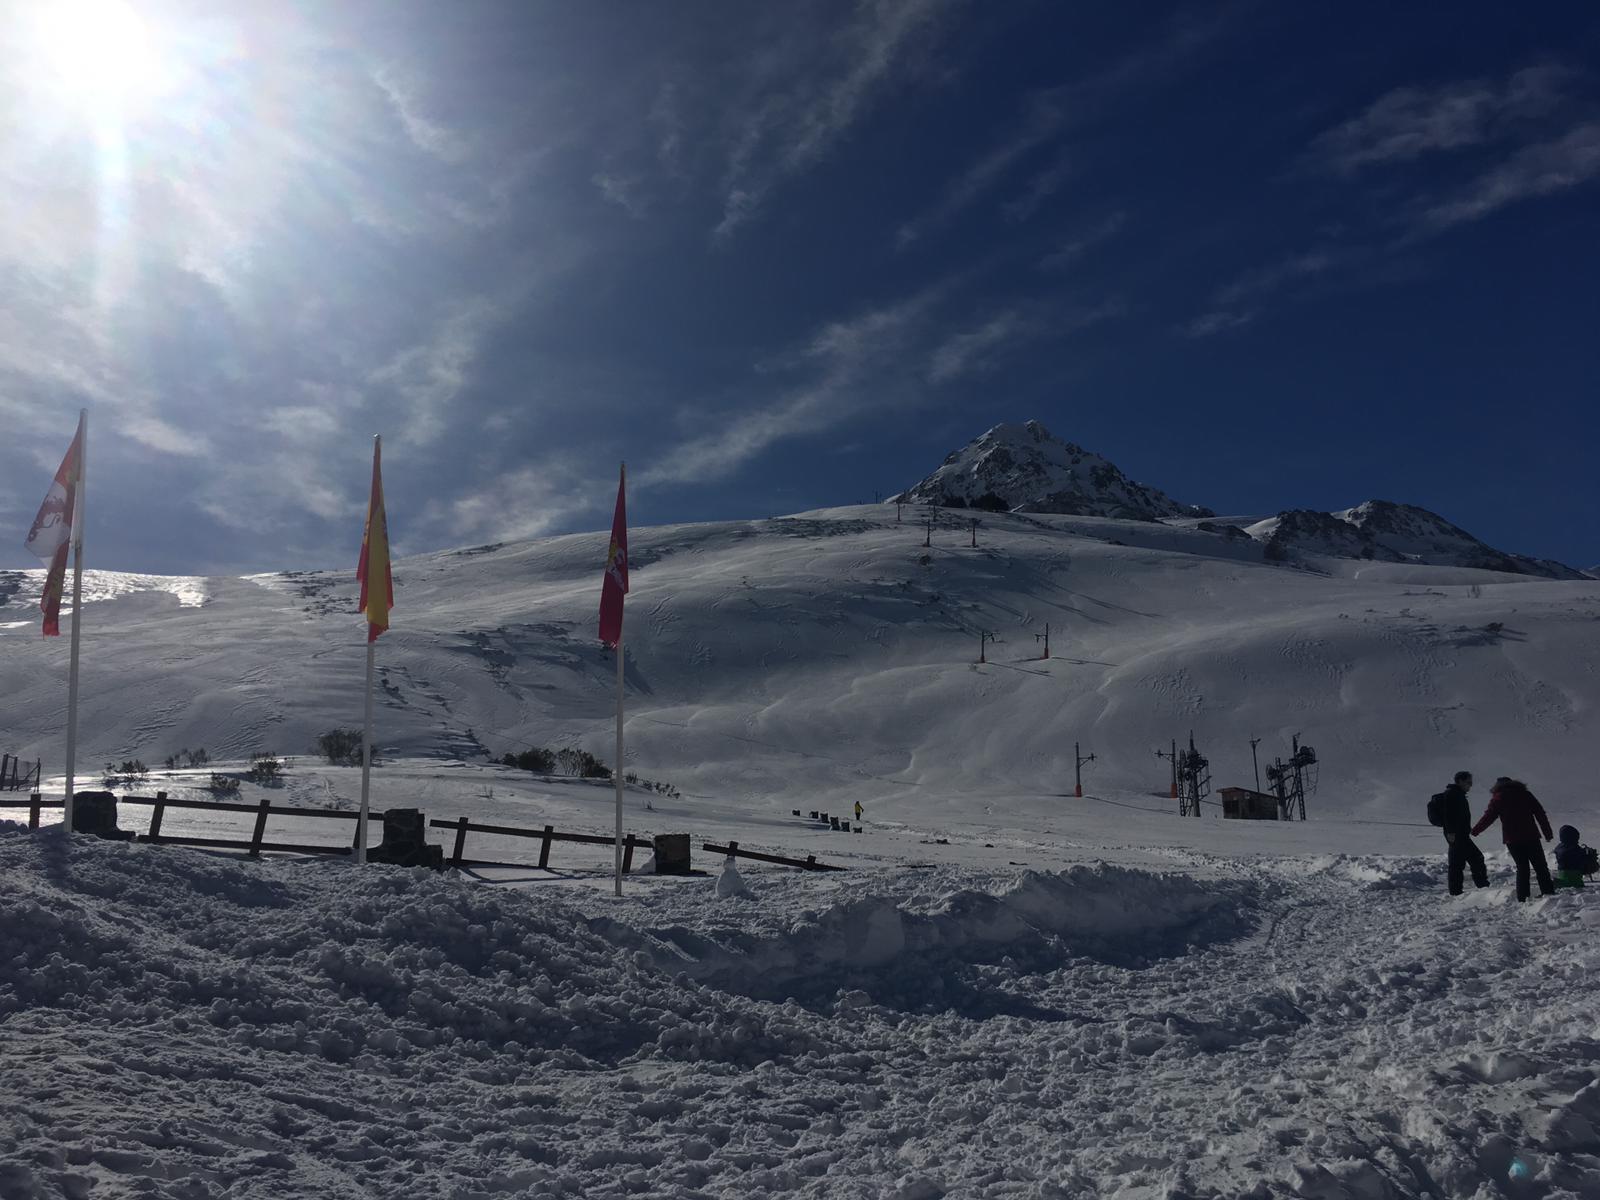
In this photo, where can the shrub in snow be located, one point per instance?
(581, 763)
(536, 759)
(342, 747)
(265, 767)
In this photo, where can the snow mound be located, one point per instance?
(318, 961)
(916, 957)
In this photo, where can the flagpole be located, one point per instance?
(366, 759)
(77, 608)
(617, 773)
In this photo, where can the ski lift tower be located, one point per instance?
(1290, 781)
(1194, 780)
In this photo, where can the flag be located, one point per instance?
(51, 535)
(615, 586)
(372, 572)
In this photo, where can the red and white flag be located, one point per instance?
(51, 535)
(616, 579)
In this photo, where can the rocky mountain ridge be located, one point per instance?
(1025, 469)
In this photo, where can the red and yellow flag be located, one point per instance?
(615, 585)
(377, 585)
(51, 535)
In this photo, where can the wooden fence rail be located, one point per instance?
(257, 842)
(548, 834)
(808, 863)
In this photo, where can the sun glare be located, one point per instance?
(101, 50)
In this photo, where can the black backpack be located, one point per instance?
(1436, 809)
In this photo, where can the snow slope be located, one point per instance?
(831, 657)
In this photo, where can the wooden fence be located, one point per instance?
(256, 844)
(808, 863)
(548, 834)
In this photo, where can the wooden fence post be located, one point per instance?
(155, 818)
(461, 843)
(33, 809)
(261, 827)
(627, 854)
(544, 849)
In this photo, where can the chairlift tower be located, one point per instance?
(1079, 758)
(1194, 780)
(1290, 781)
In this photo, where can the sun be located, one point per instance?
(100, 50)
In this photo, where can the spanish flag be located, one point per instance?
(377, 585)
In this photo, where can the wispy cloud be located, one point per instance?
(1411, 122)
(844, 371)
(1217, 321)
(1270, 278)
(1040, 188)
(1045, 119)
(968, 351)
(793, 127)
(1048, 114)
(1538, 170)
(426, 134)
(430, 376)
(1070, 251)
(1238, 303)
(527, 501)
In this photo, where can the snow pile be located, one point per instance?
(1022, 468)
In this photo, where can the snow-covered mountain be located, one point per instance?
(1384, 531)
(1022, 468)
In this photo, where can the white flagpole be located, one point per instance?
(617, 773)
(366, 759)
(77, 608)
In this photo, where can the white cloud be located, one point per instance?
(1411, 122)
(525, 502)
(972, 350)
(1537, 170)
(429, 376)
(430, 136)
(851, 368)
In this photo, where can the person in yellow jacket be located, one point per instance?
(858, 810)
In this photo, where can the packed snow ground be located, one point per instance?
(177, 1023)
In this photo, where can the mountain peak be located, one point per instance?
(1024, 468)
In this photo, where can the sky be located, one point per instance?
(783, 256)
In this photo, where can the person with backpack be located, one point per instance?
(1574, 861)
(1450, 810)
(1522, 819)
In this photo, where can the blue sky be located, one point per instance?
(779, 256)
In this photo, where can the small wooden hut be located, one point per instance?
(1243, 804)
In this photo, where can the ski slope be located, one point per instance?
(830, 657)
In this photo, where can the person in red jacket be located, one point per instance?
(1522, 819)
